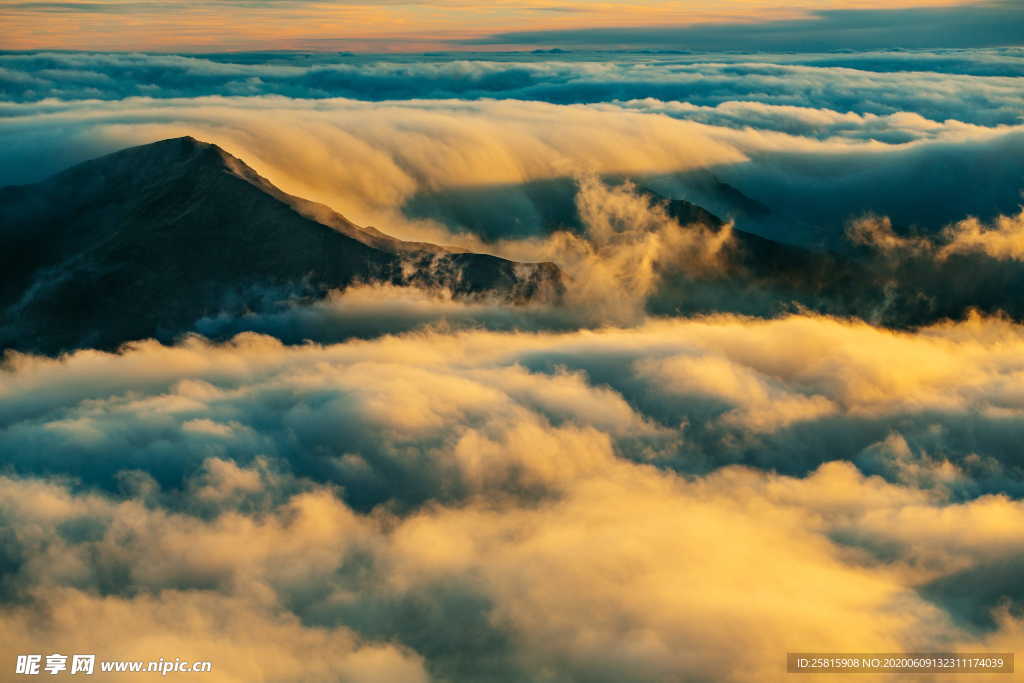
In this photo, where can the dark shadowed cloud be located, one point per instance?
(978, 86)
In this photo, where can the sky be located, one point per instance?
(389, 25)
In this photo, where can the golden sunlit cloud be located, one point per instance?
(548, 521)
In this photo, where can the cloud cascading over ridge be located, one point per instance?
(368, 160)
(820, 139)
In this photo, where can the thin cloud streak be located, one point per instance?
(976, 25)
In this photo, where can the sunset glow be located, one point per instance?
(384, 26)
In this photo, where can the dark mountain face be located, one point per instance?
(144, 242)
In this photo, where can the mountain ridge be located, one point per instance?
(147, 240)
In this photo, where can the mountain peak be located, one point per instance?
(185, 147)
(143, 164)
(184, 143)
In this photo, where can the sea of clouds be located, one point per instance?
(394, 485)
(924, 137)
(610, 504)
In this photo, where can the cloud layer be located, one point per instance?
(974, 86)
(458, 505)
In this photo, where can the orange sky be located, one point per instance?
(360, 25)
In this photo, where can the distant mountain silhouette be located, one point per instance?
(143, 242)
(760, 276)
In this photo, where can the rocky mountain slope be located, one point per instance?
(145, 241)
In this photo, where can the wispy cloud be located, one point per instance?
(977, 25)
